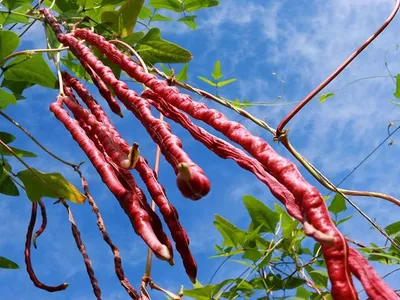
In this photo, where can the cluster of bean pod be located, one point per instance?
(302, 200)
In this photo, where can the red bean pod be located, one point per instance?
(128, 200)
(148, 176)
(307, 196)
(117, 156)
(374, 286)
(191, 179)
(129, 183)
(225, 150)
(104, 91)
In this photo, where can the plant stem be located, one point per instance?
(311, 95)
(30, 52)
(36, 141)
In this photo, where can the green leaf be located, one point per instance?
(132, 38)
(6, 99)
(7, 185)
(393, 229)
(17, 87)
(182, 76)
(174, 5)
(325, 97)
(6, 137)
(226, 82)
(111, 2)
(232, 235)
(33, 69)
(145, 13)
(9, 41)
(243, 104)
(129, 13)
(320, 277)
(193, 5)
(63, 6)
(7, 264)
(7, 18)
(113, 21)
(338, 204)
(344, 220)
(397, 92)
(160, 18)
(12, 4)
(167, 71)
(302, 293)
(154, 49)
(53, 41)
(208, 81)
(260, 214)
(288, 224)
(216, 74)
(189, 21)
(19, 152)
(56, 186)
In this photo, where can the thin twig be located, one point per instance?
(81, 247)
(282, 124)
(3, 114)
(119, 271)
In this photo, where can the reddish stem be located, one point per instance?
(44, 223)
(281, 126)
(28, 262)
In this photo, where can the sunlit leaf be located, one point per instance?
(132, 38)
(338, 204)
(288, 225)
(260, 214)
(182, 76)
(12, 4)
(226, 82)
(344, 220)
(208, 81)
(145, 13)
(161, 18)
(154, 49)
(189, 21)
(397, 92)
(174, 5)
(56, 186)
(7, 264)
(63, 6)
(129, 13)
(193, 5)
(232, 235)
(393, 229)
(9, 41)
(217, 74)
(33, 69)
(325, 97)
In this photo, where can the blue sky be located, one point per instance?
(303, 42)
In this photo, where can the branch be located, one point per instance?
(281, 126)
(36, 141)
